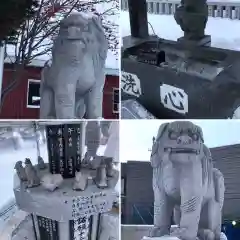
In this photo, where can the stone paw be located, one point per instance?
(206, 234)
(182, 233)
(158, 232)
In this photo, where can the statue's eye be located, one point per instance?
(195, 137)
(173, 135)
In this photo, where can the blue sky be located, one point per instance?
(136, 136)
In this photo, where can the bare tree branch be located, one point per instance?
(36, 35)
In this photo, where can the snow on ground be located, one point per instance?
(9, 156)
(224, 32)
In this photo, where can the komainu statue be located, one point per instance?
(185, 184)
(72, 84)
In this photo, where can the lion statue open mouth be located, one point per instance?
(186, 184)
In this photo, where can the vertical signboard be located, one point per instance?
(79, 150)
(48, 229)
(54, 142)
(64, 149)
(70, 144)
(80, 228)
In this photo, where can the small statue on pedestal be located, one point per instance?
(41, 164)
(20, 171)
(81, 181)
(32, 176)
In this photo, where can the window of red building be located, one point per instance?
(115, 100)
(33, 93)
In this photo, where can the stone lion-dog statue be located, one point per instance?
(72, 81)
(185, 184)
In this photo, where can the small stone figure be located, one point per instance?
(192, 17)
(51, 181)
(32, 177)
(81, 181)
(101, 176)
(109, 166)
(41, 164)
(20, 171)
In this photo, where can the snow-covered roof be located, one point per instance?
(111, 67)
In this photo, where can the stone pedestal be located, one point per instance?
(65, 214)
(205, 41)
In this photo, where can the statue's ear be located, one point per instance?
(155, 157)
(161, 130)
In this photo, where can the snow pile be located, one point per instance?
(51, 181)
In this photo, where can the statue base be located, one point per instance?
(205, 41)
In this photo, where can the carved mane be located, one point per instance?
(206, 161)
(207, 165)
(154, 159)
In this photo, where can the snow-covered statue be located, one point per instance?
(72, 85)
(185, 184)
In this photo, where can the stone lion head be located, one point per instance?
(80, 29)
(28, 161)
(182, 142)
(179, 138)
(18, 165)
(80, 36)
(75, 27)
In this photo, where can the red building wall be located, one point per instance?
(14, 105)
